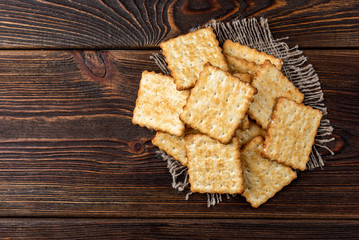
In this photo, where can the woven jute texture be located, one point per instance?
(256, 34)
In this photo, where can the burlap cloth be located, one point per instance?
(256, 34)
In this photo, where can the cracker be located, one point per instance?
(217, 104)
(187, 54)
(251, 132)
(244, 123)
(213, 167)
(262, 178)
(159, 104)
(291, 133)
(172, 145)
(271, 84)
(238, 65)
(238, 50)
(244, 77)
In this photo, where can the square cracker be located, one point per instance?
(291, 133)
(159, 104)
(262, 178)
(238, 50)
(173, 145)
(253, 130)
(217, 104)
(271, 84)
(237, 65)
(213, 167)
(187, 54)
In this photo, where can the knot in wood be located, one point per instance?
(137, 147)
(95, 63)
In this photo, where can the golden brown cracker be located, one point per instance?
(271, 84)
(251, 132)
(262, 178)
(213, 167)
(217, 104)
(238, 65)
(291, 133)
(159, 104)
(244, 123)
(238, 50)
(172, 145)
(187, 54)
(244, 77)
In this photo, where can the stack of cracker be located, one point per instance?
(229, 115)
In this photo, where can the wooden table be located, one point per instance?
(74, 166)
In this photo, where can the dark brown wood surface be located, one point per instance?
(112, 24)
(175, 228)
(74, 166)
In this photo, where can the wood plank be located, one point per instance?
(34, 228)
(122, 24)
(68, 147)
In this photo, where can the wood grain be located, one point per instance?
(68, 147)
(35, 24)
(34, 228)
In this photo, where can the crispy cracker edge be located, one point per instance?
(279, 67)
(137, 99)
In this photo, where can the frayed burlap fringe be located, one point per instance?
(256, 34)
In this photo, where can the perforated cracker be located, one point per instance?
(271, 84)
(187, 54)
(238, 65)
(253, 130)
(159, 104)
(291, 133)
(235, 49)
(262, 178)
(213, 167)
(217, 103)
